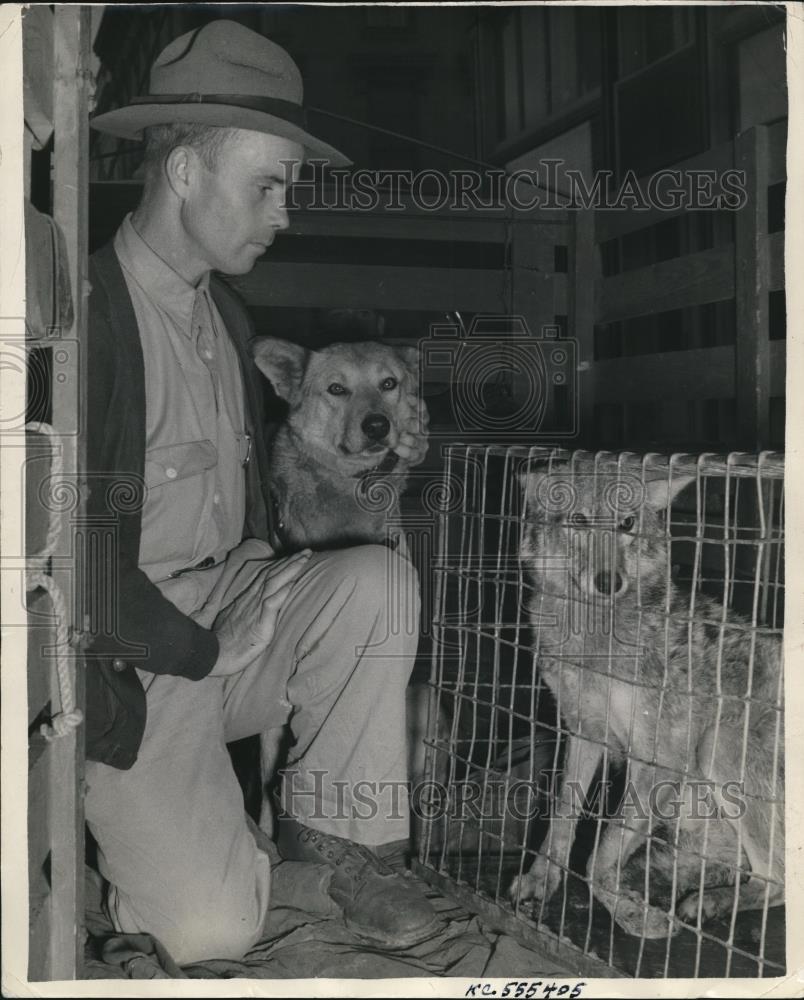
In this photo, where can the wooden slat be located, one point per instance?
(584, 268)
(531, 274)
(706, 373)
(70, 209)
(777, 152)
(40, 832)
(359, 286)
(751, 294)
(40, 839)
(115, 198)
(529, 205)
(778, 367)
(342, 199)
(39, 922)
(39, 667)
(532, 298)
(611, 223)
(772, 249)
(391, 227)
(693, 280)
(561, 299)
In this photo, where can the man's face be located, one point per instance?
(232, 214)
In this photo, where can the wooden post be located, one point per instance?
(538, 296)
(752, 349)
(70, 210)
(584, 273)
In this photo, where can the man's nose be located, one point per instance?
(279, 217)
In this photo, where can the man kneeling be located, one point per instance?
(202, 636)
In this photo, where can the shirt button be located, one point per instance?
(171, 473)
(119, 665)
(216, 498)
(207, 354)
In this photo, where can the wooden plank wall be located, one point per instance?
(747, 270)
(530, 282)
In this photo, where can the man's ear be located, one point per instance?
(282, 363)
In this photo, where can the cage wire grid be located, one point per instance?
(692, 548)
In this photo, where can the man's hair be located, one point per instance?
(160, 140)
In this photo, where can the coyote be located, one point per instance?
(677, 690)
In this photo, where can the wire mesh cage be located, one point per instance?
(605, 740)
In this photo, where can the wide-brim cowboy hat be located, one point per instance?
(224, 75)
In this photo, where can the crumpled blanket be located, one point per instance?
(303, 945)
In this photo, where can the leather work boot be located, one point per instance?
(378, 904)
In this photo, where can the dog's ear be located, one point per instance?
(282, 363)
(660, 493)
(410, 359)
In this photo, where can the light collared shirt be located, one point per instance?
(196, 444)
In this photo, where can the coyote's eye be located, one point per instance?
(627, 523)
(336, 389)
(389, 383)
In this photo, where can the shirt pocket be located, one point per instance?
(175, 462)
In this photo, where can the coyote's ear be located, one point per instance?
(660, 493)
(536, 486)
(282, 363)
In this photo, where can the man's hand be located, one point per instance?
(246, 626)
(413, 439)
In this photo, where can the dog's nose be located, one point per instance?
(603, 583)
(376, 426)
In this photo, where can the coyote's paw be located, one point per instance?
(637, 917)
(539, 883)
(715, 903)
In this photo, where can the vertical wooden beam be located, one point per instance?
(752, 354)
(13, 886)
(584, 272)
(533, 298)
(532, 273)
(70, 210)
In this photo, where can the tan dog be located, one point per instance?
(634, 674)
(335, 477)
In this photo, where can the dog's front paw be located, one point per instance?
(539, 883)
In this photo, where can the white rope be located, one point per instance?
(36, 575)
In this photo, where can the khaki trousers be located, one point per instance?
(173, 839)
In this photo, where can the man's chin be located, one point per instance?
(243, 265)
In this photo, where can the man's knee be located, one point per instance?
(226, 927)
(214, 939)
(383, 579)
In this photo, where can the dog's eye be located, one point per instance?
(389, 383)
(336, 389)
(627, 523)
